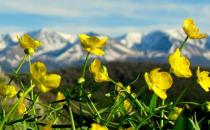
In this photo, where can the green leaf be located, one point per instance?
(153, 103)
(183, 122)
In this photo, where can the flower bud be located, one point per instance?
(81, 80)
(175, 113)
(29, 51)
(206, 106)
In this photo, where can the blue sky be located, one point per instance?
(111, 17)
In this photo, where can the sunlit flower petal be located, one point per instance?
(93, 44)
(180, 65)
(203, 79)
(29, 44)
(159, 82)
(21, 107)
(59, 97)
(95, 126)
(45, 82)
(191, 30)
(99, 71)
(8, 90)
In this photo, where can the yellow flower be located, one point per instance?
(191, 30)
(95, 126)
(159, 82)
(47, 126)
(175, 113)
(8, 90)
(45, 82)
(127, 106)
(29, 44)
(99, 71)
(180, 65)
(59, 97)
(21, 107)
(203, 79)
(93, 44)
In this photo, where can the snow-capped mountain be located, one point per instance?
(60, 49)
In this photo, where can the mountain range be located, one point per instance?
(62, 50)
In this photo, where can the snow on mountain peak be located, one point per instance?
(61, 49)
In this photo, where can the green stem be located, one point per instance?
(83, 75)
(71, 117)
(18, 68)
(85, 65)
(9, 114)
(162, 114)
(95, 109)
(183, 43)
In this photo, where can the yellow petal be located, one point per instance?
(95, 51)
(27, 42)
(83, 39)
(38, 69)
(59, 97)
(102, 75)
(95, 66)
(203, 79)
(158, 82)
(191, 30)
(21, 107)
(127, 106)
(180, 65)
(95, 126)
(51, 81)
(148, 81)
(8, 90)
(159, 92)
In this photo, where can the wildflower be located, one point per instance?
(159, 82)
(28, 44)
(93, 44)
(60, 97)
(45, 82)
(95, 126)
(180, 65)
(21, 107)
(8, 91)
(203, 79)
(175, 113)
(99, 71)
(47, 126)
(191, 30)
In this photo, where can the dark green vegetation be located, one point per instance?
(126, 72)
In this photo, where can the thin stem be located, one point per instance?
(81, 86)
(85, 65)
(183, 43)
(9, 114)
(95, 109)
(18, 68)
(162, 114)
(71, 117)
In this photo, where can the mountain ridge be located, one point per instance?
(61, 49)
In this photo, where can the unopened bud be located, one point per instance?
(206, 106)
(29, 51)
(81, 80)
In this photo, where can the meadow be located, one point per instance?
(107, 96)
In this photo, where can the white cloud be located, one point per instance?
(91, 9)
